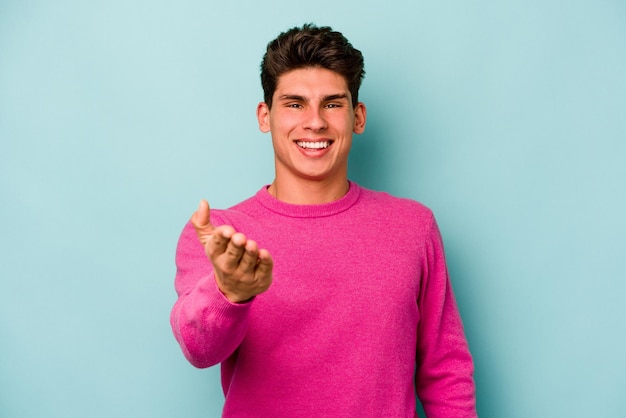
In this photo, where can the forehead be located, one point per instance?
(311, 80)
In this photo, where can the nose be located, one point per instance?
(314, 119)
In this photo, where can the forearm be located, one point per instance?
(445, 383)
(208, 327)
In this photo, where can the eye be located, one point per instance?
(332, 105)
(294, 105)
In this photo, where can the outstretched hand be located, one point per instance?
(242, 270)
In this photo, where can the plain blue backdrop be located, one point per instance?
(507, 118)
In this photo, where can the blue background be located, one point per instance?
(117, 117)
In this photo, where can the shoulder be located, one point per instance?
(405, 220)
(391, 206)
(234, 215)
(242, 216)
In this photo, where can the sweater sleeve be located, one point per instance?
(444, 376)
(208, 327)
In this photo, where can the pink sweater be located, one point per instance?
(359, 319)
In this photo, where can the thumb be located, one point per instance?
(201, 221)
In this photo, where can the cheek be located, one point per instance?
(283, 123)
(344, 124)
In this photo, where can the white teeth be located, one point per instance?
(313, 145)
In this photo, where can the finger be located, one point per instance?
(234, 251)
(265, 265)
(201, 221)
(218, 242)
(249, 258)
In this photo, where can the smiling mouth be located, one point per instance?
(313, 145)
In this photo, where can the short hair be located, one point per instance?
(311, 46)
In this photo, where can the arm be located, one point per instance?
(218, 271)
(444, 378)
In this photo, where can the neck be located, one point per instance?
(305, 192)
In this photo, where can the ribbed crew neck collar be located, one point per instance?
(309, 211)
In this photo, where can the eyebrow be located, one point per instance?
(330, 97)
(333, 97)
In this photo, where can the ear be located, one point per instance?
(360, 116)
(263, 116)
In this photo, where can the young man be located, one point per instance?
(318, 297)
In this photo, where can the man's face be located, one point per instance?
(311, 121)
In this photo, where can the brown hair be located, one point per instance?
(311, 46)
